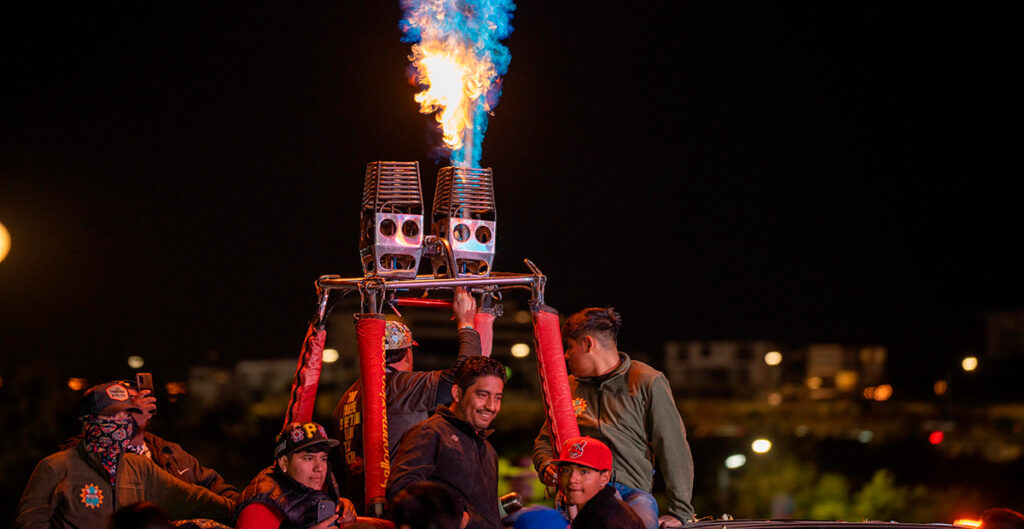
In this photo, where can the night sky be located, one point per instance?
(176, 175)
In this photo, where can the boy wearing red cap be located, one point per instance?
(584, 470)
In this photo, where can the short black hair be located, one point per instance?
(475, 367)
(594, 321)
(425, 505)
(395, 355)
(311, 449)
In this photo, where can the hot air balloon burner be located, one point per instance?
(465, 216)
(391, 220)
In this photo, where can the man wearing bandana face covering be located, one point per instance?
(83, 485)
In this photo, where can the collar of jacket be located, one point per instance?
(623, 367)
(449, 415)
(93, 460)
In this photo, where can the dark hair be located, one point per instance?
(395, 355)
(142, 515)
(425, 505)
(475, 367)
(594, 321)
(311, 449)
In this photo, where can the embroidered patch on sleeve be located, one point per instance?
(92, 496)
(579, 405)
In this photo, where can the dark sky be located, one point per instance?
(175, 175)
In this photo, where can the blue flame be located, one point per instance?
(481, 25)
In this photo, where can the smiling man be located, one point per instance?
(584, 470)
(451, 449)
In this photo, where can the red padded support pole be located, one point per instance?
(483, 322)
(307, 377)
(370, 335)
(554, 379)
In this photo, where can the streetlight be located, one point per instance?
(520, 350)
(773, 358)
(735, 461)
(761, 446)
(330, 356)
(136, 362)
(969, 363)
(5, 241)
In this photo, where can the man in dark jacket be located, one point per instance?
(451, 448)
(81, 486)
(628, 405)
(298, 491)
(584, 470)
(410, 395)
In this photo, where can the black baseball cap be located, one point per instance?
(107, 399)
(298, 435)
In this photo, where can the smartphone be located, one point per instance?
(325, 509)
(144, 381)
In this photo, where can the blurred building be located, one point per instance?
(722, 369)
(1004, 335)
(754, 369)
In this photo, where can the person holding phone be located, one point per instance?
(298, 491)
(167, 455)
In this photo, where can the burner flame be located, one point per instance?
(458, 60)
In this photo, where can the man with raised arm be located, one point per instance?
(410, 395)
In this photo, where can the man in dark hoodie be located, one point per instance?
(298, 491)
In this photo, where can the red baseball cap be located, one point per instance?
(586, 451)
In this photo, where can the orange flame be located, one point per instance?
(455, 80)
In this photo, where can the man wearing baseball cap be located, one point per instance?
(167, 455)
(410, 395)
(584, 470)
(81, 486)
(298, 491)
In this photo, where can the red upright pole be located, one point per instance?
(307, 377)
(554, 378)
(370, 335)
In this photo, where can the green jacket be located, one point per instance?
(633, 412)
(70, 489)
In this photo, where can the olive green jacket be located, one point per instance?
(70, 489)
(633, 412)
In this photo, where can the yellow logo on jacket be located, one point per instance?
(92, 496)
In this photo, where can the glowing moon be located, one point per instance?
(5, 242)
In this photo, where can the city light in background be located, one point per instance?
(77, 384)
(735, 461)
(330, 356)
(940, 387)
(5, 242)
(136, 361)
(761, 446)
(773, 358)
(520, 350)
(969, 363)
